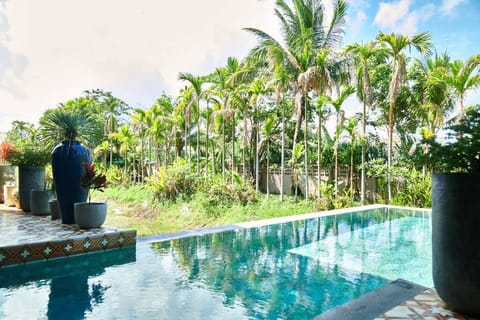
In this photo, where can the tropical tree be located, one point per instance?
(430, 85)
(339, 125)
(196, 82)
(126, 139)
(362, 55)
(322, 114)
(112, 109)
(351, 128)
(268, 130)
(395, 46)
(463, 77)
(307, 37)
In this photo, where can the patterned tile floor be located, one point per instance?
(24, 238)
(427, 305)
(21, 228)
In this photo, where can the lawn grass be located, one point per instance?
(134, 208)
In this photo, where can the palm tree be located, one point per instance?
(464, 77)
(339, 126)
(429, 83)
(362, 55)
(126, 138)
(112, 108)
(141, 121)
(350, 128)
(184, 110)
(322, 114)
(196, 82)
(395, 45)
(257, 89)
(306, 38)
(268, 131)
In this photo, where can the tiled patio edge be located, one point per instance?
(23, 253)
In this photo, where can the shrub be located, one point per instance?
(116, 176)
(177, 181)
(215, 195)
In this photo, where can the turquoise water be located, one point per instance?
(294, 270)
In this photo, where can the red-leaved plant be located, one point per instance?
(93, 180)
(5, 148)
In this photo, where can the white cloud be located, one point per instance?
(356, 24)
(398, 16)
(134, 49)
(448, 6)
(389, 14)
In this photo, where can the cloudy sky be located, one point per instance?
(53, 50)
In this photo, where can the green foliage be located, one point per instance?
(329, 201)
(176, 181)
(414, 190)
(410, 187)
(29, 154)
(463, 153)
(62, 124)
(116, 176)
(216, 195)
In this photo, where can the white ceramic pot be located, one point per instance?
(90, 215)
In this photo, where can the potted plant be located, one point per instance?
(31, 159)
(68, 157)
(91, 214)
(456, 214)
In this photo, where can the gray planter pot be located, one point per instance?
(39, 199)
(90, 215)
(29, 178)
(455, 240)
(54, 209)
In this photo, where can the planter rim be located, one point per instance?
(90, 203)
(455, 173)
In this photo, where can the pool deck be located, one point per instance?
(25, 238)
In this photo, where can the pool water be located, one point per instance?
(294, 270)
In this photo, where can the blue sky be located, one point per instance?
(453, 24)
(52, 50)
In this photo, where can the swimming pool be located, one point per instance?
(292, 270)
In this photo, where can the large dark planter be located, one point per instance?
(455, 240)
(29, 178)
(68, 159)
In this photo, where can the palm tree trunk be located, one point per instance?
(351, 166)
(389, 153)
(282, 159)
(198, 141)
(223, 150)
(233, 146)
(207, 140)
(257, 164)
(306, 147)
(319, 153)
(268, 168)
(364, 134)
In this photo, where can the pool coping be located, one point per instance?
(264, 222)
(374, 303)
